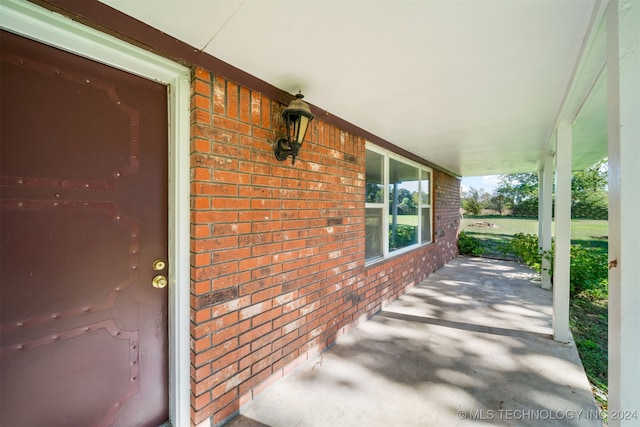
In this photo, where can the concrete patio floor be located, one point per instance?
(471, 345)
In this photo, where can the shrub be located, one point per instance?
(589, 269)
(525, 248)
(592, 206)
(526, 208)
(468, 245)
(588, 265)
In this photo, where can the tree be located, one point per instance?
(497, 203)
(515, 188)
(590, 180)
(589, 198)
(471, 202)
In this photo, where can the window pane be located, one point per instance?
(403, 205)
(426, 225)
(373, 230)
(375, 177)
(425, 203)
(425, 188)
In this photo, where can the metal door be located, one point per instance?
(83, 218)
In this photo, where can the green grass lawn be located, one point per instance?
(586, 232)
(588, 316)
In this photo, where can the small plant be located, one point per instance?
(588, 265)
(589, 326)
(468, 245)
(525, 248)
(589, 270)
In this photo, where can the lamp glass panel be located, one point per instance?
(301, 128)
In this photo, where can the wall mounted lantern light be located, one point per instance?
(297, 117)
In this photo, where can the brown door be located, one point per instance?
(83, 217)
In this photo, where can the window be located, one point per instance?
(398, 200)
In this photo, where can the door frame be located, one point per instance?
(42, 25)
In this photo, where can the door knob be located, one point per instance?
(159, 281)
(159, 265)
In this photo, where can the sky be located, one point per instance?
(488, 182)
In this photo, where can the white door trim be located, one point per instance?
(42, 25)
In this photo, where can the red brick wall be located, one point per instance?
(277, 251)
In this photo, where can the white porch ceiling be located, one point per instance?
(474, 86)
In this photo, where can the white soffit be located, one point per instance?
(475, 86)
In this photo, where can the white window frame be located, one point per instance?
(387, 155)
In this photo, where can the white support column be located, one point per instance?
(546, 218)
(623, 71)
(561, 263)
